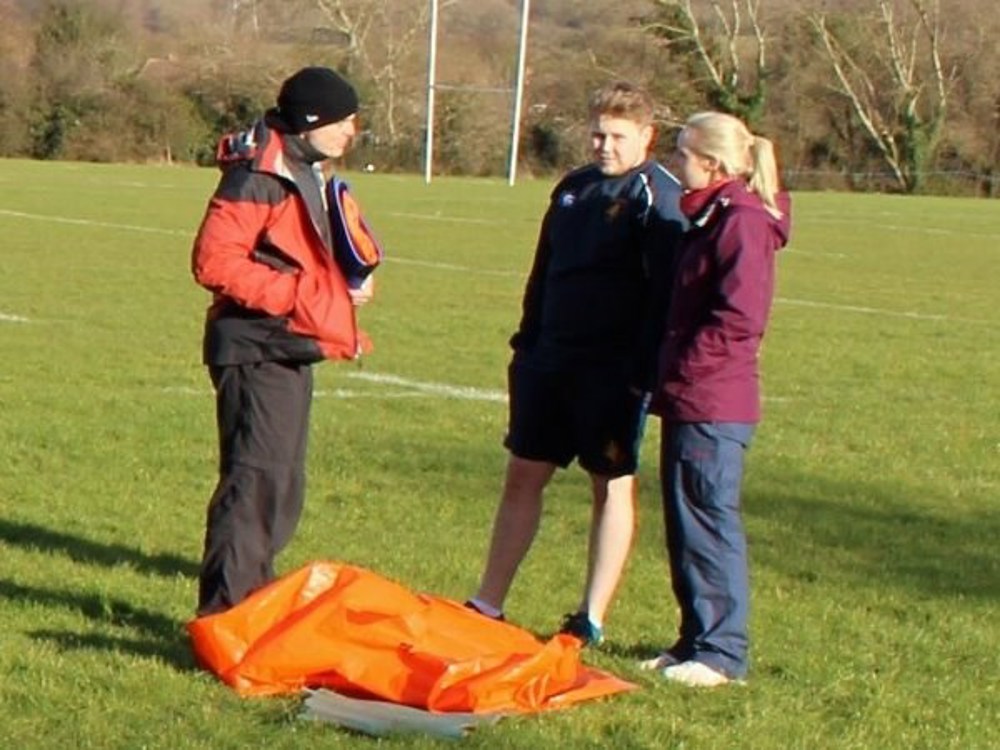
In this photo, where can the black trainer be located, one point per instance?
(578, 625)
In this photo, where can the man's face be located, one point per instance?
(335, 139)
(619, 144)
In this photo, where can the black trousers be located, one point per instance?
(262, 410)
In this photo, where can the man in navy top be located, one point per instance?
(585, 352)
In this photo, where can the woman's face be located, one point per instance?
(692, 168)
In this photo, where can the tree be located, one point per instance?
(79, 52)
(381, 35)
(718, 51)
(14, 93)
(894, 82)
(242, 12)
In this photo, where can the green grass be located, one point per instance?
(870, 500)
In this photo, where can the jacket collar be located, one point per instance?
(701, 205)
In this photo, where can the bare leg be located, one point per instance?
(611, 530)
(514, 527)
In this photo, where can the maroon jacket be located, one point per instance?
(723, 288)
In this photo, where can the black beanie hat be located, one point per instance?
(314, 97)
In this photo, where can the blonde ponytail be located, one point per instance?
(763, 178)
(739, 153)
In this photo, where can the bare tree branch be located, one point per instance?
(865, 113)
(753, 7)
(731, 32)
(375, 44)
(904, 124)
(932, 29)
(716, 49)
(694, 31)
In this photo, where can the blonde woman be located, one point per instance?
(708, 390)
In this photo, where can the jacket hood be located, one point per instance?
(259, 144)
(737, 194)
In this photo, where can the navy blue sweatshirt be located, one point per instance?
(600, 283)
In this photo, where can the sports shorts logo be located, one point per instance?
(312, 118)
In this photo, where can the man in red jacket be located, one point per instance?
(265, 250)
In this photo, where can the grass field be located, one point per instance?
(871, 498)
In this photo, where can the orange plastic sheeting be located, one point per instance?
(347, 629)
(365, 244)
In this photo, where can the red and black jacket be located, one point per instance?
(264, 250)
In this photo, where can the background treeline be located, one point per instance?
(899, 95)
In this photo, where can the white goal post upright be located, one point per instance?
(433, 85)
(515, 124)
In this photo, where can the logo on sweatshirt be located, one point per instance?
(566, 200)
(614, 210)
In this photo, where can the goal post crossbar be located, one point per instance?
(433, 86)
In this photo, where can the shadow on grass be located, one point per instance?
(870, 535)
(177, 654)
(864, 536)
(163, 636)
(78, 549)
(634, 651)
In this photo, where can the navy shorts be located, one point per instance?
(587, 413)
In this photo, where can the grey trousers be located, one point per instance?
(262, 411)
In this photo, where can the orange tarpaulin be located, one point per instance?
(344, 628)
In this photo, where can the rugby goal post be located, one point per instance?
(433, 86)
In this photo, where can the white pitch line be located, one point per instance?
(878, 311)
(484, 271)
(7, 318)
(902, 227)
(185, 233)
(440, 389)
(417, 389)
(796, 251)
(338, 393)
(451, 267)
(347, 393)
(92, 223)
(451, 219)
(410, 389)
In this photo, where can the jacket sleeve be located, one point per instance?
(531, 306)
(223, 259)
(741, 299)
(661, 232)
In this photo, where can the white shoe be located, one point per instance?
(664, 660)
(695, 674)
